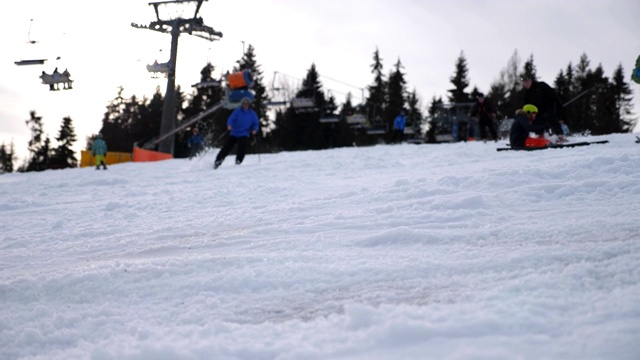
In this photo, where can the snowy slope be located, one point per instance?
(448, 251)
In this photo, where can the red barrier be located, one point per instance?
(143, 155)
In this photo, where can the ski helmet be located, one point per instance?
(530, 109)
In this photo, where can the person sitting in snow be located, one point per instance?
(545, 98)
(523, 126)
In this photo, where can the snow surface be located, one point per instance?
(447, 251)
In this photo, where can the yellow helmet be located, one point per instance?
(530, 109)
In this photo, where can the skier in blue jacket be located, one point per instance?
(242, 122)
(398, 126)
(99, 150)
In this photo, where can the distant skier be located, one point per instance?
(399, 124)
(195, 143)
(544, 97)
(242, 122)
(484, 111)
(99, 150)
(523, 125)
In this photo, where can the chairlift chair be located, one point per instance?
(56, 78)
(238, 84)
(158, 68)
(303, 104)
(36, 61)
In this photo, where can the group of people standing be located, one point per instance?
(538, 115)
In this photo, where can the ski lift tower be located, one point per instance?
(169, 19)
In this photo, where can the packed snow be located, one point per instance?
(432, 251)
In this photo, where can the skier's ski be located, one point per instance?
(555, 146)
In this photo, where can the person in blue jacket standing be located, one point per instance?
(99, 150)
(242, 122)
(398, 127)
(195, 143)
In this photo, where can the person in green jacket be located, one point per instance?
(99, 150)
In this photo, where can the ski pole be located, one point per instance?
(579, 95)
(219, 138)
(255, 140)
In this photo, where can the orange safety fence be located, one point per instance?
(143, 155)
(87, 159)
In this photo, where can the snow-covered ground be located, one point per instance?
(448, 251)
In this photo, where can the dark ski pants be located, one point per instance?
(228, 145)
(487, 123)
(398, 135)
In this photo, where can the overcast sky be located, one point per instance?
(102, 51)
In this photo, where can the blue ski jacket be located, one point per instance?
(242, 122)
(99, 147)
(399, 122)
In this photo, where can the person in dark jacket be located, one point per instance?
(99, 150)
(242, 122)
(523, 125)
(484, 111)
(544, 97)
(195, 143)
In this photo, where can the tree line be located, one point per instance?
(593, 103)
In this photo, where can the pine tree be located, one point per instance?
(396, 89)
(145, 125)
(622, 93)
(529, 69)
(436, 104)
(63, 155)
(38, 146)
(344, 134)
(116, 129)
(562, 85)
(377, 92)
(603, 109)
(505, 91)
(414, 115)
(581, 119)
(302, 130)
(460, 81)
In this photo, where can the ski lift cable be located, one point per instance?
(29, 33)
(326, 88)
